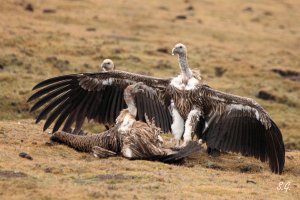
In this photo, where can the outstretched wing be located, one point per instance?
(72, 98)
(240, 125)
(148, 101)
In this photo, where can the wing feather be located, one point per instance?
(62, 118)
(53, 80)
(69, 122)
(58, 86)
(70, 99)
(54, 115)
(113, 108)
(139, 99)
(82, 108)
(240, 125)
(48, 97)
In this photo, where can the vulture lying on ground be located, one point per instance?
(224, 121)
(131, 138)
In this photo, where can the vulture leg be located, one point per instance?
(190, 125)
(100, 152)
(177, 126)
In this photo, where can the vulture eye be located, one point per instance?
(180, 47)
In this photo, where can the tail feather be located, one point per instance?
(177, 156)
(191, 148)
(276, 149)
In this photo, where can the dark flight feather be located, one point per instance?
(53, 80)
(103, 94)
(246, 135)
(48, 97)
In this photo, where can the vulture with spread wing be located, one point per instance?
(105, 66)
(224, 121)
(130, 138)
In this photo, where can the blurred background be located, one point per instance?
(248, 48)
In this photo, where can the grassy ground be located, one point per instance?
(245, 39)
(58, 172)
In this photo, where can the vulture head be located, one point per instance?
(131, 90)
(129, 96)
(179, 49)
(107, 65)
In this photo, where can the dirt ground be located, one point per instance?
(58, 172)
(248, 48)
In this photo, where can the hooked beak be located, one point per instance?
(104, 68)
(138, 87)
(141, 90)
(173, 51)
(138, 90)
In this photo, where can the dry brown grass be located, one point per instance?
(246, 38)
(58, 172)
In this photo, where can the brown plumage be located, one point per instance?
(224, 121)
(131, 138)
(108, 140)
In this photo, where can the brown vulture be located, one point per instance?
(130, 138)
(225, 122)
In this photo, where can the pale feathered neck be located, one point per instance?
(130, 103)
(123, 114)
(186, 72)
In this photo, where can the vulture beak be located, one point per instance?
(138, 87)
(104, 69)
(173, 51)
(141, 90)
